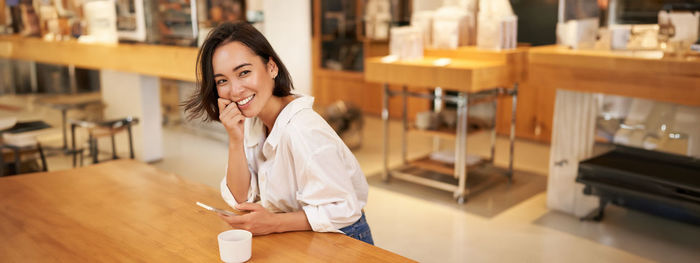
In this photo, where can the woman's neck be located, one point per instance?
(268, 115)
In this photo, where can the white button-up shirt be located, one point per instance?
(303, 164)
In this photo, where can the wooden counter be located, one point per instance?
(459, 75)
(567, 80)
(516, 64)
(515, 60)
(632, 74)
(129, 211)
(154, 60)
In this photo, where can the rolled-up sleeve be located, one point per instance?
(326, 191)
(252, 190)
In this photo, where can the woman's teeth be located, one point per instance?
(245, 101)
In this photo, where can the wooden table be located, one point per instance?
(459, 75)
(473, 80)
(567, 81)
(515, 61)
(128, 211)
(64, 103)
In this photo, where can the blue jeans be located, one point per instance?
(359, 230)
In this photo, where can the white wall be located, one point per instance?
(288, 28)
(254, 4)
(131, 94)
(421, 5)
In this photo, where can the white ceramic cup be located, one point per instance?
(235, 245)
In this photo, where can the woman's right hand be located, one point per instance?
(232, 119)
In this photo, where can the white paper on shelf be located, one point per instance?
(441, 62)
(448, 156)
(424, 21)
(102, 21)
(452, 27)
(377, 19)
(443, 156)
(580, 33)
(406, 42)
(685, 23)
(497, 26)
(390, 58)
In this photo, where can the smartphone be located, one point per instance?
(216, 210)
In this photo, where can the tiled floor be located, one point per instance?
(431, 231)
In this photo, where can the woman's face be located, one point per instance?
(241, 77)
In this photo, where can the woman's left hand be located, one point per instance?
(258, 221)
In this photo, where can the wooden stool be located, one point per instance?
(102, 129)
(10, 153)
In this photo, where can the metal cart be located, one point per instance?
(473, 81)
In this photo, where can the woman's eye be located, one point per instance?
(244, 73)
(220, 82)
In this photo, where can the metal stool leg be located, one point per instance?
(72, 138)
(114, 149)
(2, 161)
(18, 163)
(81, 156)
(64, 121)
(43, 158)
(93, 149)
(131, 142)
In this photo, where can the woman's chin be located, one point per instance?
(249, 113)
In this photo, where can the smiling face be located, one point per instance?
(243, 77)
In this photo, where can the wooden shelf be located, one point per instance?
(425, 163)
(443, 132)
(162, 61)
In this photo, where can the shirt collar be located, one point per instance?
(255, 129)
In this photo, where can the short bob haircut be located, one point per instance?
(204, 100)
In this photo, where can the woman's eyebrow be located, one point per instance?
(241, 65)
(234, 69)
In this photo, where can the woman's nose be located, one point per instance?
(236, 90)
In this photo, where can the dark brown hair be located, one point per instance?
(204, 99)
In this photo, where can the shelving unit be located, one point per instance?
(474, 81)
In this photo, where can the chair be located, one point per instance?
(17, 140)
(97, 130)
(11, 158)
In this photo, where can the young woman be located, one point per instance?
(286, 166)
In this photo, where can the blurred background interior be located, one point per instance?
(489, 130)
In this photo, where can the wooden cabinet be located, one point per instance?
(346, 82)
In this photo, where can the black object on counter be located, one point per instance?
(654, 182)
(26, 126)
